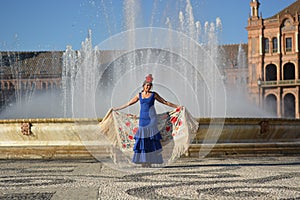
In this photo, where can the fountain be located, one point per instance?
(30, 96)
(183, 57)
(185, 69)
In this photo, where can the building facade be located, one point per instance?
(24, 73)
(273, 60)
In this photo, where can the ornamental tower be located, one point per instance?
(254, 4)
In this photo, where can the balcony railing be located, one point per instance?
(280, 83)
(28, 76)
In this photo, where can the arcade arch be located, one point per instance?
(271, 104)
(289, 103)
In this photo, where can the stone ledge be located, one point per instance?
(209, 150)
(244, 149)
(51, 152)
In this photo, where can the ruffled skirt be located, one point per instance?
(147, 147)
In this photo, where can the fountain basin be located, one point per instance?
(75, 138)
(248, 137)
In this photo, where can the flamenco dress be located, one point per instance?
(147, 147)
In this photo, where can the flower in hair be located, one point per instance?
(149, 78)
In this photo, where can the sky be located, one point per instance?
(51, 25)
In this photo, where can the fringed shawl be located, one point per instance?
(176, 126)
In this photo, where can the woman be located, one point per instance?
(147, 147)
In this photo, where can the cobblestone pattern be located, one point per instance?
(209, 178)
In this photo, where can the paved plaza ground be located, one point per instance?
(207, 178)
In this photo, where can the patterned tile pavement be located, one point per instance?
(208, 178)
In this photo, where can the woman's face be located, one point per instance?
(147, 87)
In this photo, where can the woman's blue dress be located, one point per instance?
(147, 147)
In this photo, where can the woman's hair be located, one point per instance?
(145, 82)
(148, 80)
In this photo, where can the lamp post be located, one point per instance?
(259, 85)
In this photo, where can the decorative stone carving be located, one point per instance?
(288, 26)
(26, 128)
(264, 127)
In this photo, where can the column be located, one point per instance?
(297, 103)
(279, 96)
(278, 43)
(296, 40)
(260, 44)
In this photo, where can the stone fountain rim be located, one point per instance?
(204, 120)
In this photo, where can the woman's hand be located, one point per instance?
(115, 109)
(179, 108)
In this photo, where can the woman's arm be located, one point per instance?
(161, 100)
(132, 101)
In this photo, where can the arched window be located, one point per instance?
(275, 45)
(289, 71)
(32, 85)
(271, 72)
(266, 45)
(23, 86)
(271, 105)
(289, 106)
(11, 86)
(44, 85)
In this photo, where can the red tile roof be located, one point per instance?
(291, 9)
